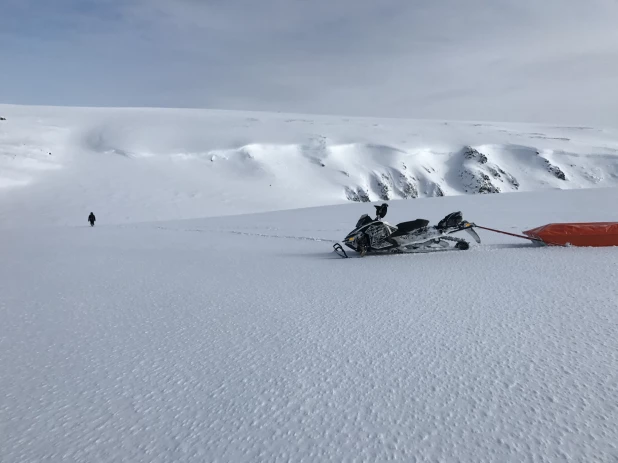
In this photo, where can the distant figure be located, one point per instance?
(91, 219)
(381, 211)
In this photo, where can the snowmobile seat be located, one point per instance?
(407, 227)
(450, 221)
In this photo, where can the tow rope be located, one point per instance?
(516, 235)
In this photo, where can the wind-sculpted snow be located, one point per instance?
(132, 165)
(243, 339)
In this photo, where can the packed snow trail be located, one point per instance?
(143, 344)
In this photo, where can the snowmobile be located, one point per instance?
(417, 236)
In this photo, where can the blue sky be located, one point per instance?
(550, 61)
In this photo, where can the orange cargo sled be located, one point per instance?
(576, 234)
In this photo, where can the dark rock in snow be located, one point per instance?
(476, 181)
(471, 153)
(555, 170)
(408, 188)
(363, 195)
(494, 172)
(359, 195)
(486, 185)
(384, 187)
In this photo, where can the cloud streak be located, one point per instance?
(550, 61)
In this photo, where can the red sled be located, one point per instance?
(597, 234)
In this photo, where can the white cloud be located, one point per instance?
(553, 61)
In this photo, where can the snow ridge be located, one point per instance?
(195, 163)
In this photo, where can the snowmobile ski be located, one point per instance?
(340, 251)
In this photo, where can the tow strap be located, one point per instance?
(516, 235)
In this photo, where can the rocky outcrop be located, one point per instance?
(408, 187)
(480, 175)
(554, 170)
(358, 194)
(474, 155)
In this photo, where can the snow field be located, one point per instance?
(245, 338)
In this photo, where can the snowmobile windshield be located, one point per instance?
(364, 220)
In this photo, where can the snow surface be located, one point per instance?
(129, 165)
(244, 338)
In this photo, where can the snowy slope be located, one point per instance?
(128, 165)
(243, 339)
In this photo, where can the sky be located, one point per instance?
(550, 61)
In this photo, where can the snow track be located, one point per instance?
(262, 235)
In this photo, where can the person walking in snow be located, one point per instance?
(91, 219)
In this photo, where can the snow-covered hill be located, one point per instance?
(127, 165)
(245, 339)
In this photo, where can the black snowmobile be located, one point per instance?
(416, 236)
